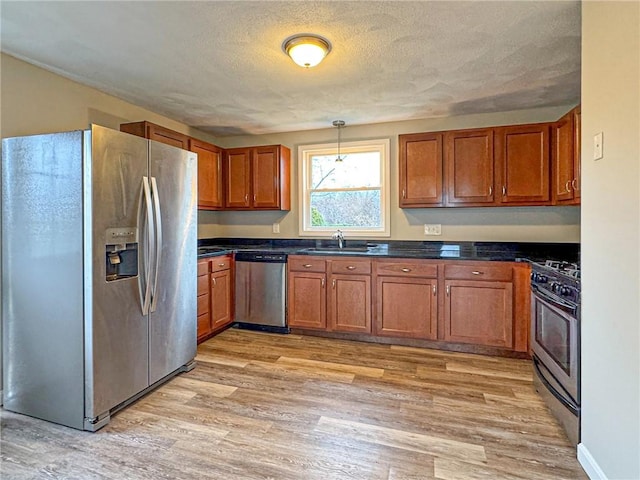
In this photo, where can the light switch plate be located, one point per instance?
(597, 146)
(276, 228)
(432, 229)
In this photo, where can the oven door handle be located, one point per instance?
(556, 302)
(572, 407)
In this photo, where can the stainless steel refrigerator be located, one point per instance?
(99, 238)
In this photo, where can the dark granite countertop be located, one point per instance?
(488, 251)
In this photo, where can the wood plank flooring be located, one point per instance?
(266, 406)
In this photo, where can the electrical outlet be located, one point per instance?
(276, 228)
(432, 229)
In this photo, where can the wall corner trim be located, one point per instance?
(589, 464)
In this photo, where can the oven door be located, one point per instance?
(555, 340)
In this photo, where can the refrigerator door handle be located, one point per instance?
(145, 292)
(158, 245)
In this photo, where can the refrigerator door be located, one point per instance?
(42, 277)
(116, 330)
(172, 322)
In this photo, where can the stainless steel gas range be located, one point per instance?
(555, 340)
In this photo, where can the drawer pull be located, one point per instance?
(351, 267)
(221, 264)
(406, 270)
(307, 265)
(476, 272)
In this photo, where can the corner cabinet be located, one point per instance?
(258, 178)
(565, 154)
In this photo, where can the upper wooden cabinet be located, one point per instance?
(258, 178)
(565, 157)
(156, 132)
(522, 164)
(210, 193)
(421, 170)
(469, 167)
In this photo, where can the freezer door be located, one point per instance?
(172, 322)
(116, 329)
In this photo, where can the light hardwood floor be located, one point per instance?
(266, 406)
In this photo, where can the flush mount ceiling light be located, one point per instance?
(306, 50)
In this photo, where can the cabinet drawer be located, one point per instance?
(307, 264)
(351, 266)
(407, 269)
(479, 271)
(220, 263)
(203, 284)
(203, 304)
(203, 267)
(204, 324)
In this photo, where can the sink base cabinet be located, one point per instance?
(480, 307)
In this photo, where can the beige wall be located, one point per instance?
(34, 100)
(611, 241)
(526, 224)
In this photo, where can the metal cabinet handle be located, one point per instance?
(504, 190)
(333, 283)
(491, 190)
(406, 270)
(351, 267)
(214, 281)
(435, 290)
(404, 193)
(221, 264)
(322, 282)
(448, 290)
(566, 186)
(246, 198)
(574, 183)
(254, 198)
(307, 265)
(476, 272)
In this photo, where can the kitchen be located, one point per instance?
(603, 349)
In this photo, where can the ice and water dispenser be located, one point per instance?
(121, 253)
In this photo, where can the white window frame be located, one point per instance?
(305, 152)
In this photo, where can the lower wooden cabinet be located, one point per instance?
(479, 304)
(407, 299)
(215, 295)
(479, 312)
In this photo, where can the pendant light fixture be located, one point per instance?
(306, 50)
(339, 124)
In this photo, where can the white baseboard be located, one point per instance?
(589, 464)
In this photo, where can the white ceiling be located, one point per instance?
(219, 66)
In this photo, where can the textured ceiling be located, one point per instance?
(219, 65)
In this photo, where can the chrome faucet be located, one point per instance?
(338, 235)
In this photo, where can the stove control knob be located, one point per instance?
(565, 291)
(542, 278)
(554, 286)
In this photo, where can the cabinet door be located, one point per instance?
(220, 299)
(577, 166)
(209, 174)
(307, 300)
(407, 307)
(238, 178)
(350, 303)
(523, 166)
(562, 138)
(265, 167)
(469, 167)
(420, 161)
(479, 312)
(166, 136)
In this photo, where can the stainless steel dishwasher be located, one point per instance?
(261, 291)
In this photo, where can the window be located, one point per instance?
(351, 195)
